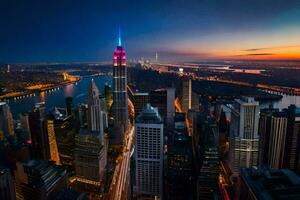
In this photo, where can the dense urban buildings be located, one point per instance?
(217, 117)
(149, 153)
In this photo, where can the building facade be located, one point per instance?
(97, 113)
(244, 139)
(149, 153)
(7, 185)
(120, 99)
(6, 121)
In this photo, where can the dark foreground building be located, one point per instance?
(267, 184)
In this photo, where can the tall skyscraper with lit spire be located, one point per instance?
(120, 104)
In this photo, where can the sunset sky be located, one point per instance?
(179, 30)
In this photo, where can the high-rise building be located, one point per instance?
(108, 96)
(40, 148)
(140, 100)
(149, 153)
(6, 121)
(82, 115)
(291, 159)
(69, 105)
(54, 155)
(24, 126)
(39, 179)
(163, 99)
(186, 100)
(206, 145)
(120, 101)
(64, 134)
(97, 114)
(244, 139)
(179, 162)
(7, 186)
(90, 156)
(265, 184)
(272, 133)
(280, 135)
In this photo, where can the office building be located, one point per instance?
(207, 156)
(186, 99)
(53, 149)
(90, 156)
(120, 104)
(6, 121)
(244, 139)
(279, 133)
(266, 184)
(272, 133)
(25, 129)
(82, 115)
(7, 185)
(61, 125)
(179, 166)
(39, 179)
(149, 153)
(140, 101)
(163, 99)
(69, 105)
(40, 148)
(97, 114)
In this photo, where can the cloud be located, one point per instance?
(258, 54)
(271, 48)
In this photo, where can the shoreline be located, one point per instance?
(29, 93)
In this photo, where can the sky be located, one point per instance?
(178, 30)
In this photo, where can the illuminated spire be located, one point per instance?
(119, 39)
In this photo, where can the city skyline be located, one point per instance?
(195, 31)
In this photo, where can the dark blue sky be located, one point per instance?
(73, 30)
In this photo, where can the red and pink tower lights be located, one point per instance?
(120, 99)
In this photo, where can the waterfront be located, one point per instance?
(56, 97)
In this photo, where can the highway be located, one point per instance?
(120, 181)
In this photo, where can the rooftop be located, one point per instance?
(149, 115)
(270, 184)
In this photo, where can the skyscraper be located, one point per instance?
(69, 105)
(120, 104)
(186, 99)
(6, 121)
(39, 179)
(97, 115)
(163, 99)
(40, 142)
(90, 157)
(272, 133)
(7, 186)
(243, 145)
(149, 153)
(140, 100)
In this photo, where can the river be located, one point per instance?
(56, 97)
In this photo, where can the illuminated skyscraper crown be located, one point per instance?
(119, 54)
